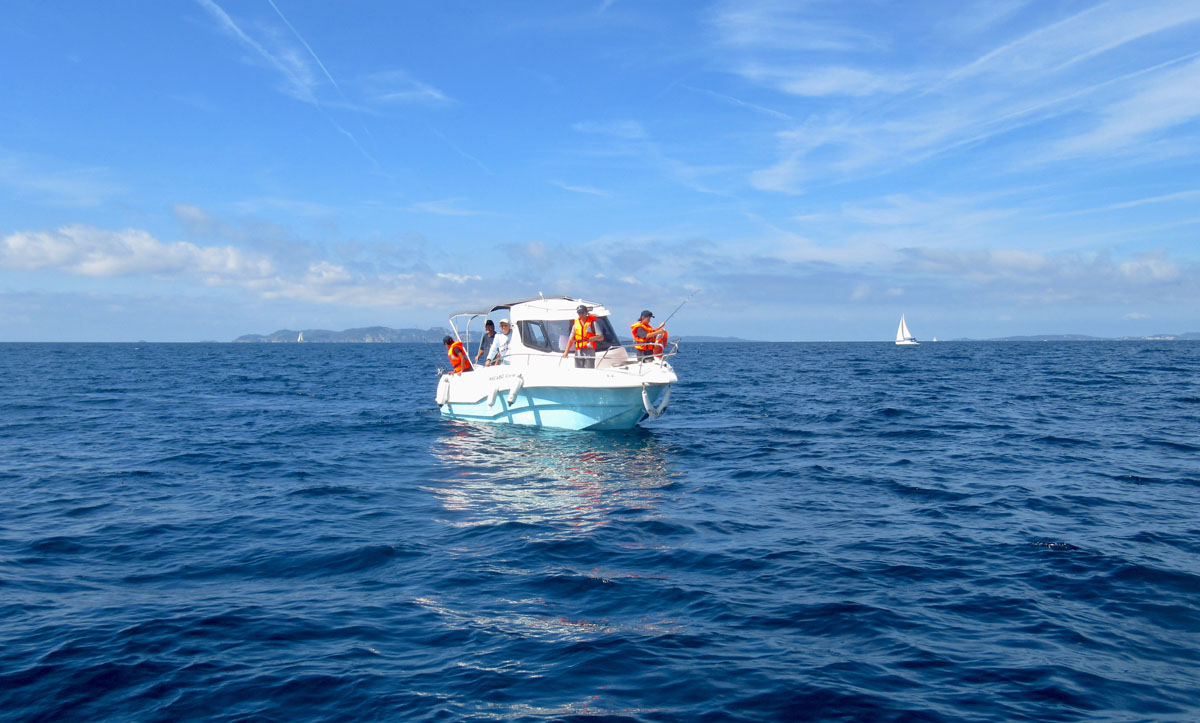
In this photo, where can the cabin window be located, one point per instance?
(555, 335)
(533, 335)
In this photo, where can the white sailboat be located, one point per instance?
(903, 336)
(300, 338)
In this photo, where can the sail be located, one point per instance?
(902, 330)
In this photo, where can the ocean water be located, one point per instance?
(958, 531)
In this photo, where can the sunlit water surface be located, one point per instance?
(957, 531)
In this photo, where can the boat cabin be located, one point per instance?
(541, 329)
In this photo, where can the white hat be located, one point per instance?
(504, 321)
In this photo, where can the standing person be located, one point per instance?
(648, 341)
(457, 355)
(485, 344)
(499, 345)
(583, 339)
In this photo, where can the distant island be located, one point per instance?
(366, 335)
(1190, 336)
(715, 339)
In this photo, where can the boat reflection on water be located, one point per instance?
(503, 473)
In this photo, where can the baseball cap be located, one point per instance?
(580, 309)
(646, 312)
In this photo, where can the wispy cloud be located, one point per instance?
(739, 102)
(396, 87)
(1097, 30)
(47, 181)
(827, 81)
(623, 129)
(631, 139)
(446, 207)
(459, 150)
(784, 25)
(580, 189)
(1088, 83)
(1166, 101)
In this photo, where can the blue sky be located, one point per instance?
(203, 169)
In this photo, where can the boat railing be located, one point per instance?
(556, 359)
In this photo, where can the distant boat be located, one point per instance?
(903, 336)
(300, 338)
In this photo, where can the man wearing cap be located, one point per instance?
(648, 341)
(499, 345)
(485, 344)
(583, 339)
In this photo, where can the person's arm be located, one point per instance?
(570, 341)
(494, 351)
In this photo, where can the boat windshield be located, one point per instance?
(546, 335)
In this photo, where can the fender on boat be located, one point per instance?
(655, 412)
(512, 395)
(492, 395)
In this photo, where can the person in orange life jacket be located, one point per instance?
(648, 341)
(485, 344)
(583, 339)
(457, 355)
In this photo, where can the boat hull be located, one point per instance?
(577, 408)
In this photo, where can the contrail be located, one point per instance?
(308, 93)
(306, 46)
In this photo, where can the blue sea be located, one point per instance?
(953, 532)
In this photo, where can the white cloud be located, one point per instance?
(87, 251)
(1136, 315)
(459, 278)
(1150, 267)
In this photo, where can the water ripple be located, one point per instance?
(984, 532)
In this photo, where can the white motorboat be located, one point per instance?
(903, 336)
(535, 385)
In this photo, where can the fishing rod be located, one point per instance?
(677, 308)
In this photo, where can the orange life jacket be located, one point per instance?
(645, 329)
(585, 332)
(460, 361)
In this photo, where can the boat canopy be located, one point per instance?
(554, 307)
